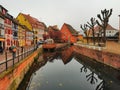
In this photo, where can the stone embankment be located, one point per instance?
(103, 56)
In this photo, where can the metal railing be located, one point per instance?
(9, 60)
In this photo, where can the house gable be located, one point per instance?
(68, 33)
(23, 21)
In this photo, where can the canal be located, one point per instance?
(68, 70)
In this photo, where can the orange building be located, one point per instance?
(69, 34)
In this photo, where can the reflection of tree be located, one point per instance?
(83, 68)
(101, 86)
(92, 78)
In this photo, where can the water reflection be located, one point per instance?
(65, 55)
(108, 77)
(91, 75)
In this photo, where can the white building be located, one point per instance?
(110, 31)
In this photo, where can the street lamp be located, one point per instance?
(119, 28)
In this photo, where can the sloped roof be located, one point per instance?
(109, 27)
(3, 7)
(97, 28)
(33, 21)
(55, 28)
(71, 29)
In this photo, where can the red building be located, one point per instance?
(8, 31)
(69, 34)
(54, 33)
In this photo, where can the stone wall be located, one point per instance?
(108, 58)
(10, 79)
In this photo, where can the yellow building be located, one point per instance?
(23, 20)
(34, 25)
(25, 32)
(21, 35)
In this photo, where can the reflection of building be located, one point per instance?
(69, 33)
(49, 56)
(67, 55)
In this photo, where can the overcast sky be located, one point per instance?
(58, 12)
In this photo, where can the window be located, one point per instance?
(8, 41)
(15, 34)
(109, 31)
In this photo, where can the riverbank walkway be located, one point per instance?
(7, 60)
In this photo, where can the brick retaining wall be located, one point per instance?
(108, 58)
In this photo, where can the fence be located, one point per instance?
(8, 59)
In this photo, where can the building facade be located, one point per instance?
(8, 31)
(34, 25)
(25, 30)
(3, 12)
(2, 31)
(15, 32)
(69, 33)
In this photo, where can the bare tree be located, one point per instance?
(86, 32)
(104, 18)
(91, 26)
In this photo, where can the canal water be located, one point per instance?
(67, 70)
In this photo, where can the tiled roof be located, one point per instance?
(34, 21)
(109, 27)
(55, 28)
(71, 29)
(97, 28)
(3, 7)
